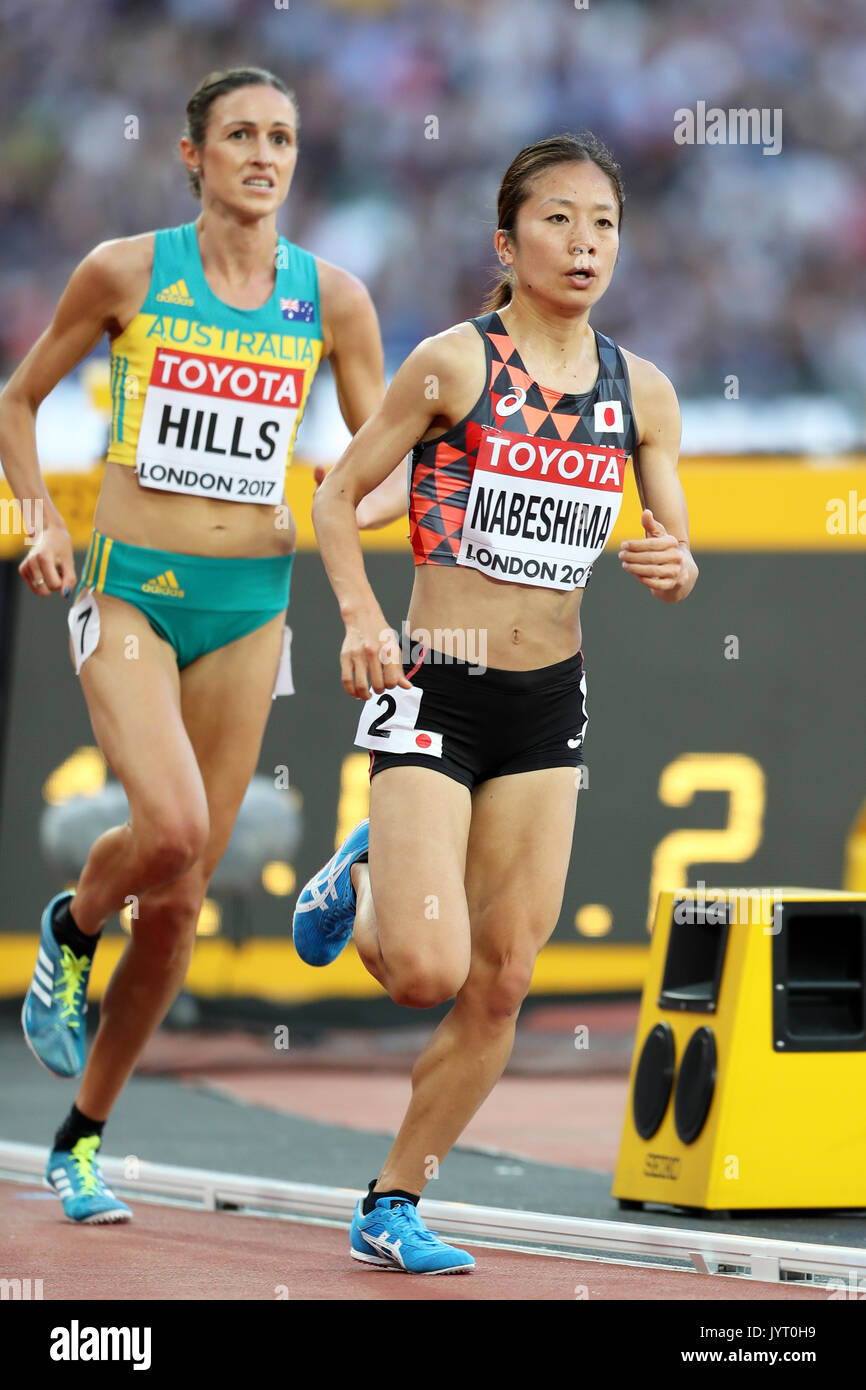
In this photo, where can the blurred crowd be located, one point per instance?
(732, 261)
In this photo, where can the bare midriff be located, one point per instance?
(524, 627)
(137, 515)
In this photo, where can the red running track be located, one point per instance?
(174, 1253)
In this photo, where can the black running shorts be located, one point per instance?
(476, 724)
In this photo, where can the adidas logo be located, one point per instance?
(175, 294)
(164, 583)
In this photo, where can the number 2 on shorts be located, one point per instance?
(389, 724)
(389, 708)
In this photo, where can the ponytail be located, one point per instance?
(500, 295)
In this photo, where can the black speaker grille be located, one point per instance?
(695, 1085)
(653, 1080)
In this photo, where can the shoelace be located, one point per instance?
(408, 1214)
(84, 1157)
(73, 978)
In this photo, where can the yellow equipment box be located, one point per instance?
(748, 1078)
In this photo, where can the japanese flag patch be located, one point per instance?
(608, 416)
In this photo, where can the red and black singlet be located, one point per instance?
(528, 486)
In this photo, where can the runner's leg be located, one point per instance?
(135, 710)
(225, 700)
(517, 859)
(416, 942)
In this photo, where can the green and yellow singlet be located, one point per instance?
(206, 398)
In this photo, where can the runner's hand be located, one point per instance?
(370, 656)
(658, 559)
(49, 564)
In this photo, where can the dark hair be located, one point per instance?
(215, 85)
(515, 187)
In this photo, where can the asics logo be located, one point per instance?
(512, 402)
(323, 887)
(386, 1246)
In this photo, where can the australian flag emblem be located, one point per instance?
(298, 310)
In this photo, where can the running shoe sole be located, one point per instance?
(101, 1218)
(374, 1262)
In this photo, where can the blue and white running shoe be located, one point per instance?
(325, 910)
(54, 1007)
(75, 1176)
(393, 1236)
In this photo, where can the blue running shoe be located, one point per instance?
(393, 1236)
(74, 1175)
(54, 1007)
(325, 910)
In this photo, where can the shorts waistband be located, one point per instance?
(214, 563)
(538, 678)
(211, 582)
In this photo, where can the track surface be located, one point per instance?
(545, 1142)
(173, 1253)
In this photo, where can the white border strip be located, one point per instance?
(708, 1252)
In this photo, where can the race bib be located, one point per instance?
(83, 623)
(540, 510)
(217, 427)
(284, 685)
(388, 724)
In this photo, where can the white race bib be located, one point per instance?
(284, 685)
(540, 510)
(388, 724)
(83, 623)
(217, 426)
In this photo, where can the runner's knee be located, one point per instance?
(423, 991)
(171, 845)
(422, 982)
(497, 986)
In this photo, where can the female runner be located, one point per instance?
(217, 328)
(522, 422)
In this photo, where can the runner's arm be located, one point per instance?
(85, 311)
(662, 559)
(387, 502)
(403, 417)
(353, 345)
